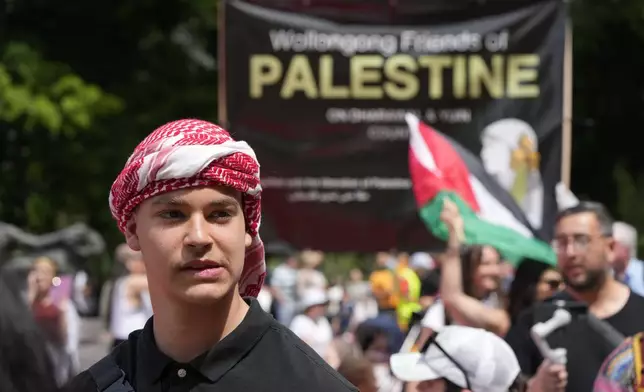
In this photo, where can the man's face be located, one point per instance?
(193, 243)
(621, 257)
(583, 252)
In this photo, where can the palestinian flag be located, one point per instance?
(440, 168)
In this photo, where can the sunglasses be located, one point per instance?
(432, 341)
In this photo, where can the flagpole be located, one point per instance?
(566, 142)
(221, 60)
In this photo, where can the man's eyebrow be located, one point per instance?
(225, 202)
(168, 200)
(178, 201)
(575, 234)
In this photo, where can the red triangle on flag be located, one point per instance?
(435, 166)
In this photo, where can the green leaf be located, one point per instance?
(47, 113)
(37, 210)
(46, 94)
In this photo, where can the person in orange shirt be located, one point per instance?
(383, 282)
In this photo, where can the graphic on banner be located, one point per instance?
(510, 154)
(323, 102)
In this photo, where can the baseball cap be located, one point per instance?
(473, 354)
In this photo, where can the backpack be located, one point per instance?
(109, 377)
(638, 355)
(622, 369)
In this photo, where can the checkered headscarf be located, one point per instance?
(191, 153)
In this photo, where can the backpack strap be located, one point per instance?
(109, 377)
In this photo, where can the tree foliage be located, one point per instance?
(44, 107)
(80, 85)
(608, 97)
(37, 93)
(629, 198)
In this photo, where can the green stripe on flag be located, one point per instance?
(512, 245)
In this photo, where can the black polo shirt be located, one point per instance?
(259, 355)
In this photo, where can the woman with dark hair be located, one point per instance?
(471, 282)
(477, 296)
(24, 361)
(470, 285)
(481, 274)
(533, 281)
(475, 300)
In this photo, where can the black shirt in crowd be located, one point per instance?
(259, 355)
(586, 348)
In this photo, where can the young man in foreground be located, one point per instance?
(189, 200)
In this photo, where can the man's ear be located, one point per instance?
(130, 235)
(610, 250)
(248, 240)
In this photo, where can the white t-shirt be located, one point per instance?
(335, 295)
(434, 318)
(385, 380)
(318, 335)
(265, 299)
(285, 279)
(127, 318)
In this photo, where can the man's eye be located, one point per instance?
(221, 215)
(171, 214)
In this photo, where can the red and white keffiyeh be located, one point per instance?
(192, 153)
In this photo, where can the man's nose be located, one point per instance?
(571, 250)
(197, 232)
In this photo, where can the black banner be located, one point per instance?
(321, 99)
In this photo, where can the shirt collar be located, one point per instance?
(151, 362)
(214, 363)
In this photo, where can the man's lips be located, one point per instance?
(204, 269)
(574, 270)
(201, 265)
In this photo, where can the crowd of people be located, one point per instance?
(191, 306)
(408, 300)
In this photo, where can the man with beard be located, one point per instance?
(585, 250)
